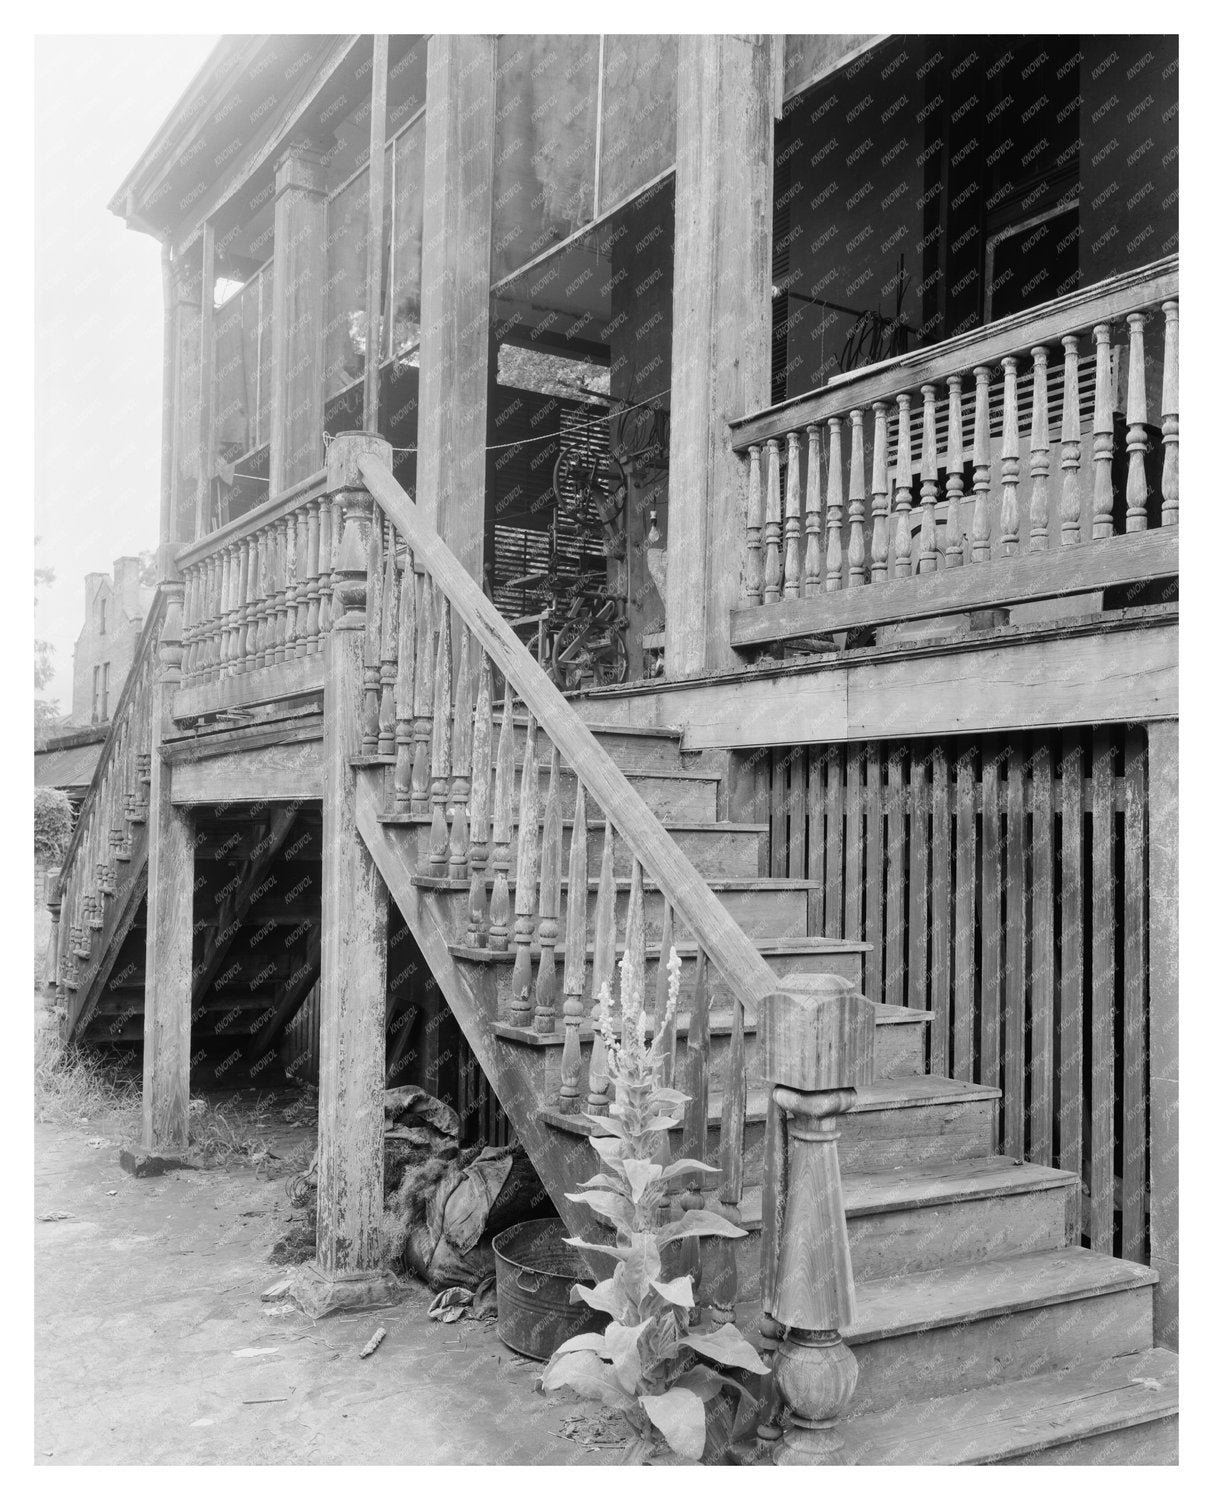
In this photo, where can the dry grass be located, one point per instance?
(73, 1086)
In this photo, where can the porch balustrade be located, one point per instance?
(1090, 383)
(258, 592)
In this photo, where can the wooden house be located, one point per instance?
(710, 492)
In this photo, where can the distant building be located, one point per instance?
(114, 611)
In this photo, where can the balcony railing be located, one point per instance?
(1095, 506)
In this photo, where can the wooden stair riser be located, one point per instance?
(893, 1049)
(926, 1237)
(1145, 1443)
(883, 1139)
(734, 852)
(1014, 1344)
(827, 958)
(781, 915)
(681, 798)
(659, 752)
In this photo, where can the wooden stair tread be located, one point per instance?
(1018, 1417)
(909, 1092)
(986, 1289)
(715, 882)
(930, 1184)
(671, 825)
(766, 946)
(720, 1023)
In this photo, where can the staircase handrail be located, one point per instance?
(146, 644)
(747, 974)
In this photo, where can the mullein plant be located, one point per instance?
(648, 1364)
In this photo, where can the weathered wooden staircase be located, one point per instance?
(985, 1332)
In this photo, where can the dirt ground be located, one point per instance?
(152, 1344)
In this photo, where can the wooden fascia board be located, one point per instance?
(183, 122)
(272, 147)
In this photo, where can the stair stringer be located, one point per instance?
(561, 1161)
(113, 935)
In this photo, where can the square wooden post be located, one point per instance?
(452, 415)
(297, 386)
(168, 987)
(1163, 993)
(722, 331)
(348, 1270)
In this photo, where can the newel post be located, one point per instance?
(348, 1271)
(817, 1036)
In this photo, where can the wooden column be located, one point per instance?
(1163, 1023)
(817, 1037)
(374, 238)
(181, 429)
(348, 1269)
(297, 385)
(168, 988)
(455, 374)
(722, 331)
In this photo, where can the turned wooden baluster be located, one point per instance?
(856, 495)
(198, 627)
(461, 760)
(423, 701)
(389, 615)
(928, 542)
(633, 932)
(753, 529)
(880, 492)
(187, 625)
(290, 576)
(1136, 441)
(1009, 516)
(257, 628)
(1102, 435)
(440, 783)
(225, 604)
(276, 601)
(522, 1003)
(214, 584)
(665, 1042)
(597, 1100)
(246, 647)
(979, 550)
(722, 1282)
(575, 945)
(695, 1113)
(1170, 415)
(235, 600)
(1038, 508)
(773, 566)
(240, 592)
(374, 629)
(503, 828)
(549, 902)
(204, 612)
(478, 832)
(834, 509)
(282, 644)
(770, 1332)
(812, 512)
(792, 562)
(324, 569)
(307, 618)
(1071, 447)
(953, 531)
(406, 677)
(904, 483)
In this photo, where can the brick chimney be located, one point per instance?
(126, 587)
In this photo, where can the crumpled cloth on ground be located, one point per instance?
(450, 1306)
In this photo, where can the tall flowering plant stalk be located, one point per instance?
(649, 1362)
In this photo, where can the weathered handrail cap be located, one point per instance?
(344, 452)
(816, 1031)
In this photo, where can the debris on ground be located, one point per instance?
(594, 1428)
(373, 1343)
(52, 1217)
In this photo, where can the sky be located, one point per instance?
(98, 315)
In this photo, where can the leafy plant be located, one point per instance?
(52, 824)
(648, 1363)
